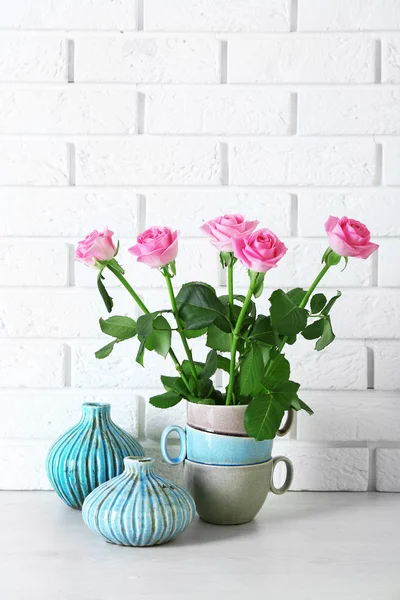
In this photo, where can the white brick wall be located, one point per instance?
(129, 113)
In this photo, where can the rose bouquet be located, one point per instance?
(247, 345)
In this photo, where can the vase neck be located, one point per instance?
(138, 465)
(93, 412)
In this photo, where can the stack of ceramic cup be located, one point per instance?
(228, 473)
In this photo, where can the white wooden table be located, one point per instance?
(303, 546)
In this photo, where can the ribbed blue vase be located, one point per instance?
(138, 508)
(89, 454)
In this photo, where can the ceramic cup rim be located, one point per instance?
(251, 466)
(243, 440)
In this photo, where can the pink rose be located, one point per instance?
(260, 251)
(96, 246)
(156, 247)
(224, 229)
(348, 237)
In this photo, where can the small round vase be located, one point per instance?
(89, 454)
(138, 508)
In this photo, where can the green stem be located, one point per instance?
(146, 311)
(130, 289)
(236, 334)
(302, 304)
(230, 289)
(188, 351)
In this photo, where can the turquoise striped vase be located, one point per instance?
(138, 508)
(89, 454)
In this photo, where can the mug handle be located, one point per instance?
(164, 444)
(289, 475)
(287, 425)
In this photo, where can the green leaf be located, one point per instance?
(252, 371)
(140, 354)
(210, 366)
(199, 307)
(227, 259)
(108, 301)
(313, 331)
(284, 392)
(298, 404)
(206, 388)
(262, 331)
(327, 336)
(251, 310)
(286, 317)
(263, 417)
(279, 369)
(165, 400)
(296, 295)
(318, 302)
(106, 350)
(331, 302)
(218, 340)
(172, 266)
(160, 339)
(122, 328)
(174, 384)
(257, 283)
(223, 363)
(195, 333)
(144, 325)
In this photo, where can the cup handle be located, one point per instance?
(289, 475)
(164, 444)
(287, 425)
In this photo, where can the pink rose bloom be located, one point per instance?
(348, 237)
(96, 246)
(260, 251)
(156, 247)
(223, 230)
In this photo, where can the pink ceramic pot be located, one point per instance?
(226, 420)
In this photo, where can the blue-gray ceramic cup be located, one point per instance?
(214, 449)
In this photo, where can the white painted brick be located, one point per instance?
(33, 264)
(71, 14)
(372, 314)
(388, 263)
(47, 416)
(270, 207)
(342, 365)
(68, 211)
(374, 208)
(309, 161)
(217, 15)
(356, 416)
(120, 368)
(33, 365)
(33, 163)
(300, 265)
(22, 466)
(391, 162)
(298, 59)
(197, 259)
(391, 60)
(354, 15)
(130, 59)
(349, 112)
(388, 470)
(325, 469)
(66, 110)
(149, 161)
(32, 58)
(53, 314)
(386, 365)
(157, 419)
(218, 110)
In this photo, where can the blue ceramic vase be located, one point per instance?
(138, 508)
(89, 454)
